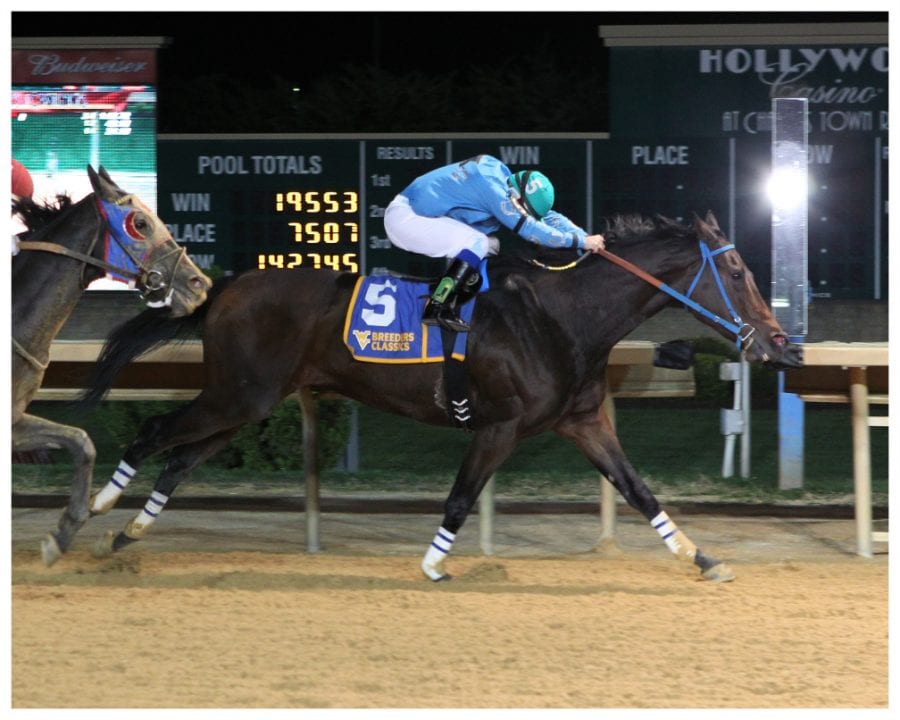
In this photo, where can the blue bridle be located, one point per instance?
(735, 325)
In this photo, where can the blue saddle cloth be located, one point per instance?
(384, 323)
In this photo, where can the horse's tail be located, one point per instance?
(139, 335)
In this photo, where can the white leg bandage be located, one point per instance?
(151, 510)
(676, 540)
(110, 494)
(432, 563)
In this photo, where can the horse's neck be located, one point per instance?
(42, 306)
(617, 302)
(46, 287)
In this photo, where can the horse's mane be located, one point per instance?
(629, 229)
(37, 216)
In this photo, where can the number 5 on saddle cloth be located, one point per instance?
(384, 325)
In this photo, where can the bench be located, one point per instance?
(172, 372)
(854, 374)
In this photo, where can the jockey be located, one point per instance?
(451, 211)
(22, 186)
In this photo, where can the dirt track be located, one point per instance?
(227, 610)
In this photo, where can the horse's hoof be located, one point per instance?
(719, 573)
(104, 546)
(50, 551)
(98, 508)
(443, 578)
(434, 571)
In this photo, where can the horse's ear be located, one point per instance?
(103, 184)
(701, 227)
(95, 180)
(711, 220)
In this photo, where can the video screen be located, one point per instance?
(58, 130)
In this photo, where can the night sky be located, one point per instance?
(301, 46)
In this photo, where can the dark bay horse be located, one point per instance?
(65, 247)
(536, 361)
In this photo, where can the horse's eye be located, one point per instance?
(140, 222)
(737, 275)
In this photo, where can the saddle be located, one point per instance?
(383, 324)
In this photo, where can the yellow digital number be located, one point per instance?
(314, 201)
(331, 233)
(354, 231)
(331, 203)
(349, 261)
(295, 260)
(272, 260)
(295, 199)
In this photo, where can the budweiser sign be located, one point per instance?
(51, 67)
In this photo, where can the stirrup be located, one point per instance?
(442, 314)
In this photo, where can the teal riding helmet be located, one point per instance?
(538, 192)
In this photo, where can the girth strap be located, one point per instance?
(456, 384)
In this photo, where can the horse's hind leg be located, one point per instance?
(153, 437)
(33, 433)
(489, 448)
(192, 422)
(182, 461)
(596, 438)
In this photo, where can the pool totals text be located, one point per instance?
(247, 205)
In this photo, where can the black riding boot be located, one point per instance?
(459, 284)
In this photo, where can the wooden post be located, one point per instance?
(862, 462)
(607, 491)
(311, 467)
(486, 517)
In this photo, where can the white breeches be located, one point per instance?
(434, 237)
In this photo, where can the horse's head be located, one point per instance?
(724, 285)
(141, 244)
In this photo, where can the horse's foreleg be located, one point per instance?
(33, 433)
(597, 440)
(181, 463)
(489, 448)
